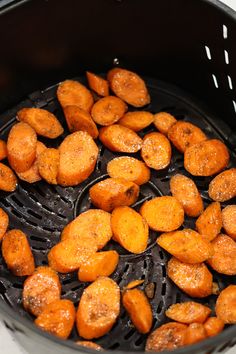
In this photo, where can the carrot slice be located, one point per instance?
(4, 222)
(188, 312)
(89, 344)
(156, 151)
(99, 264)
(43, 122)
(223, 186)
(194, 279)
(137, 120)
(17, 253)
(206, 158)
(163, 121)
(163, 213)
(209, 222)
(48, 165)
(57, 318)
(139, 309)
(225, 305)
(229, 220)
(21, 147)
(40, 289)
(108, 110)
(113, 192)
(73, 93)
(195, 333)
(213, 326)
(3, 150)
(130, 229)
(129, 87)
(119, 138)
(98, 309)
(8, 180)
(133, 284)
(97, 84)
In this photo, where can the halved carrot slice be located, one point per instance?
(225, 305)
(188, 312)
(156, 151)
(213, 326)
(209, 222)
(163, 121)
(133, 284)
(48, 165)
(97, 84)
(137, 120)
(4, 222)
(195, 333)
(8, 180)
(108, 110)
(229, 220)
(3, 150)
(223, 186)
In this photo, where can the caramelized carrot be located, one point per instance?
(195, 333)
(97, 84)
(4, 222)
(229, 220)
(108, 110)
(48, 165)
(225, 305)
(137, 120)
(3, 150)
(156, 151)
(223, 186)
(209, 222)
(163, 121)
(8, 180)
(213, 326)
(188, 312)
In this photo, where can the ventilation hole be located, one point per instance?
(163, 271)
(139, 341)
(114, 346)
(18, 215)
(130, 333)
(226, 56)
(178, 297)
(33, 197)
(234, 105)
(50, 229)
(5, 202)
(17, 286)
(225, 32)
(230, 82)
(123, 315)
(163, 290)
(208, 52)
(143, 276)
(2, 288)
(39, 239)
(145, 264)
(160, 307)
(40, 191)
(37, 216)
(76, 287)
(126, 268)
(215, 81)
(44, 262)
(67, 281)
(99, 164)
(161, 254)
(17, 201)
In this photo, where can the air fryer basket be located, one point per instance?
(185, 49)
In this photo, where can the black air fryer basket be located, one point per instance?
(186, 52)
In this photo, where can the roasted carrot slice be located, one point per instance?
(21, 147)
(40, 289)
(79, 119)
(169, 336)
(4, 222)
(99, 264)
(194, 279)
(209, 222)
(163, 121)
(184, 134)
(42, 121)
(113, 192)
(188, 312)
(89, 344)
(3, 150)
(225, 305)
(73, 93)
(78, 156)
(139, 309)
(213, 326)
(57, 318)
(163, 213)
(48, 165)
(195, 333)
(17, 253)
(186, 245)
(108, 110)
(129, 168)
(206, 158)
(129, 87)
(8, 180)
(224, 257)
(156, 151)
(130, 229)
(137, 120)
(223, 186)
(69, 255)
(133, 284)
(119, 138)
(229, 220)
(97, 84)
(98, 309)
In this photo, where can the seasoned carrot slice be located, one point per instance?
(184, 134)
(169, 336)
(206, 158)
(99, 264)
(209, 222)
(186, 245)
(32, 174)
(57, 318)
(113, 192)
(195, 333)
(129, 87)
(188, 312)
(89, 344)
(94, 222)
(40, 289)
(139, 309)
(213, 326)
(163, 121)
(229, 220)
(225, 305)
(78, 156)
(223, 186)
(42, 121)
(4, 222)
(17, 253)
(224, 257)
(98, 309)
(21, 147)
(97, 84)
(119, 138)
(156, 151)
(48, 165)
(3, 150)
(130, 229)
(69, 255)
(8, 180)
(137, 120)
(133, 284)
(73, 93)
(79, 119)
(129, 168)
(108, 110)
(185, 190)
(163, 213)
(194, 279)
